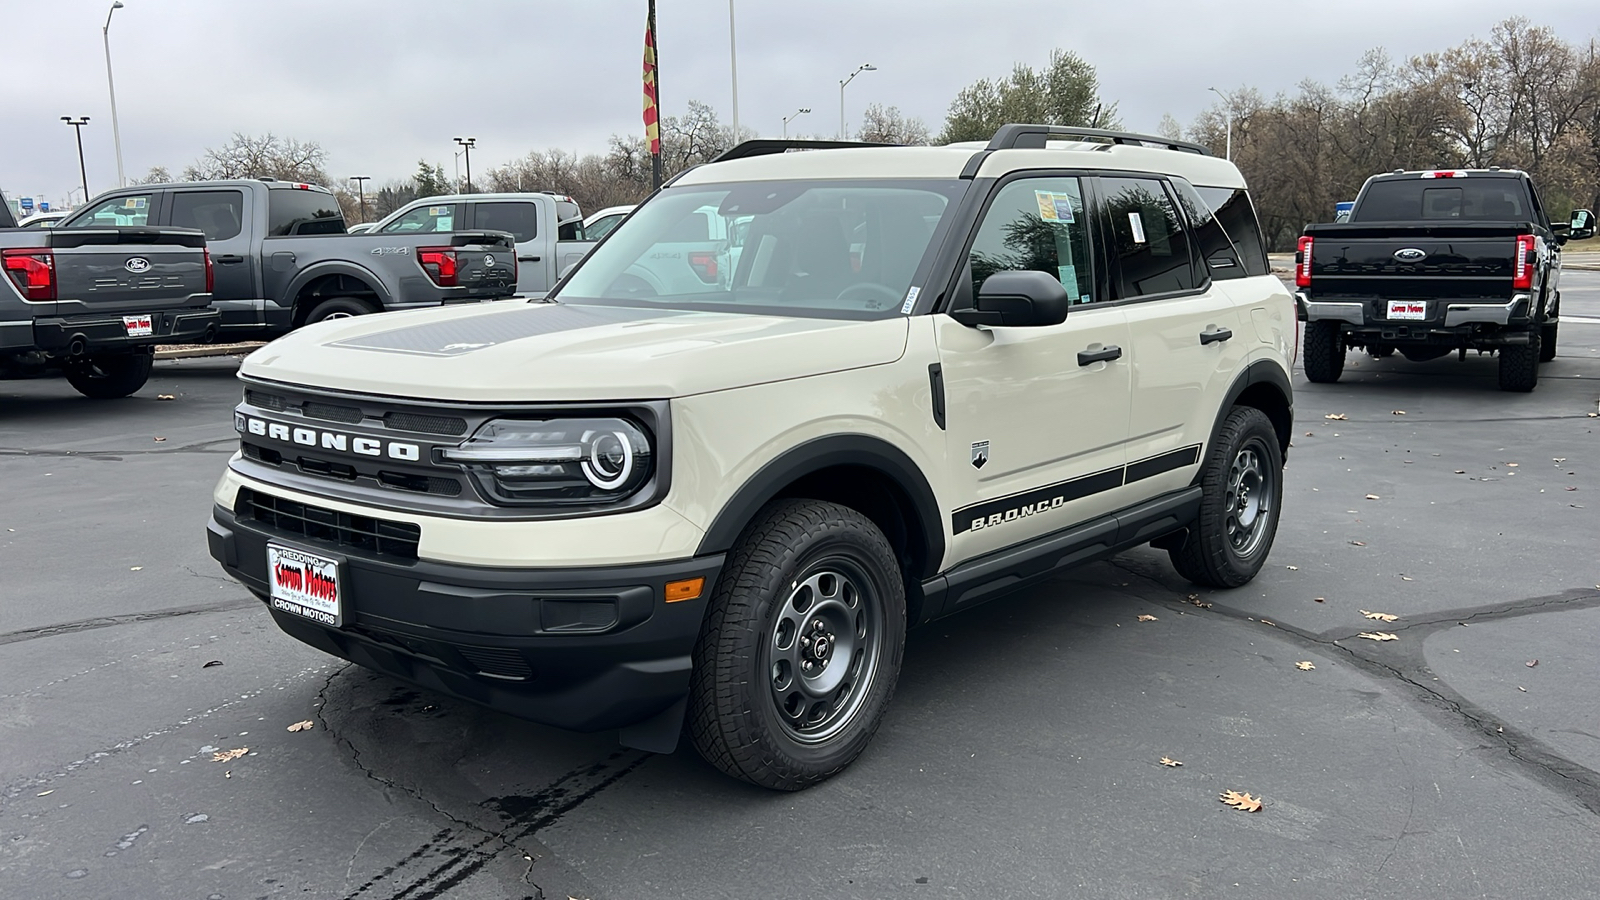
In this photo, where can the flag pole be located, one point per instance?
(652, 94)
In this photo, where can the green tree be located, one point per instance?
(430, 180)
(1065, 92)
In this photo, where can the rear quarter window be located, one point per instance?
(220, 214)
(1237, 216)
(294, 211)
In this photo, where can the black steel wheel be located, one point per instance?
(109, 376)
(801, 647)
(1242, 490)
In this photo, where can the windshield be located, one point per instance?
(836, 249)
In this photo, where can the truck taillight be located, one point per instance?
(210, 275)
(704, 265)
(439, 263)
(32, 271)
(1302, 264)
(1522, 269)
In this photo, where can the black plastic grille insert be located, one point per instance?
(316, 524)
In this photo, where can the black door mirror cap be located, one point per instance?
(1017, 299)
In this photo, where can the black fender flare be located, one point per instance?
(1262, 371)
(337, 267)
(824, 453)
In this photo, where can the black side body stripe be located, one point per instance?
(1053, 496)
(1166, 462)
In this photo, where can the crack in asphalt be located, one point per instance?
(462, 862)
(42, 631)
(1532, 756)
(116, 455)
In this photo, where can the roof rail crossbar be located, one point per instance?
(1034, 137)
(766, 147)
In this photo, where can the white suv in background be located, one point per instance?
(928, 376)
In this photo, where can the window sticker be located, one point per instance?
(1137, 224)
(438, 211)
(444, 223)
(134, 203)
(911, 301)
(1054, 206)
(1068, 275)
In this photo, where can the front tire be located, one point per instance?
(801, 646)
(1519, 364)
(110, 376)
(1324, 352)
(1242, 491)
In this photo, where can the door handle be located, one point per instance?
(527, 259)
(1215, 336)
(229, 258)
(1090, 357)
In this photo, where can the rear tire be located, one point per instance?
(1519, 364)
(766, 705)
(1324, 352)
(1547, 341)
(110, 376)
(339, 308)
(1242, 491)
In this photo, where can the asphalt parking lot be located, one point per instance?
(1022, 754)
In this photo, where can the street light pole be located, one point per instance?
(77, 126)
(466, 145)
(733, 60)
(1227, 113)
(111, 85)
(864, 67)
(361, 192)
(787, 119)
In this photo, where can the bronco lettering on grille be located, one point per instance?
(326, 440)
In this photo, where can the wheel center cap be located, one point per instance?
(822, 649)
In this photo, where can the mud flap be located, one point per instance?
(659, 733)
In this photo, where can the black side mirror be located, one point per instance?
(1582, 226)
(1017, 299)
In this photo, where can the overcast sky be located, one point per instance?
(381, 83)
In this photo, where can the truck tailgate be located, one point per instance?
(116, 270)
(1381, 259)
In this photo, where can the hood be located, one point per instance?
(514, 351)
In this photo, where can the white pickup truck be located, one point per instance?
(548, 229)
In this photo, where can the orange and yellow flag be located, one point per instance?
(652, 123)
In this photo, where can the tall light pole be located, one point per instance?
(361, 192)
(466, 145)
(111, 85)
(787, 119)
(77, 125)
(864, 67)
(1227, 112)
(733, 60)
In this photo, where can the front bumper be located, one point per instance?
(102, 332)
(586, 649)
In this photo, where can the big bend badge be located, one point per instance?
(980, 453)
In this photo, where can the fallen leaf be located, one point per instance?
(1373, 497)
(1320, 599)
(1311, 434)
(229, 755)
(1240, 801)
(166, 397)
(1337, 417)
(1531, 663)
(301, 726)
(1269, 622)
(1571, 488)
(1304, 666)
(1147, 618)
(228, 774)
(1379, 636)
(135, 568)
(1511, 465)
(1397, 412)
(1405, 578)
(160, 439)
(45, 793)
(214, 662)
(1461, 471)
(1358, 543)
(1522, 689)
(1558, 459)
(1170, 763)
(1292, 568)
(1381, 617)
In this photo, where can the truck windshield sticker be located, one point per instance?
(911, 301)
(134, 203)
(1137, 224)
(438, 210)
(1053, 206)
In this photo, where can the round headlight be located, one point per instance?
(557, 462)
(610, 460)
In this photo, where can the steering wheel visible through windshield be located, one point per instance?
(846, 249)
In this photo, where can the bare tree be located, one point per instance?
(268, 156)
(887, 125)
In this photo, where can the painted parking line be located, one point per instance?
(1582, 320)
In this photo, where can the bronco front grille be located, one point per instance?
(317, 524)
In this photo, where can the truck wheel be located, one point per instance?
(1547, 341)
(339, 308)
(1519, 364)
(1242, 488)
(109, 376)
(1324, 346)
(801, 646)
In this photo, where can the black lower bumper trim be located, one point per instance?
(110, 333)
(586, 649)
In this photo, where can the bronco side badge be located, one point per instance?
(980, 453)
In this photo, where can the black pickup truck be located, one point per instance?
(1436, 262)
(93, 303)
(283, 258)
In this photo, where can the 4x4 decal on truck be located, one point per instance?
(1054, 496)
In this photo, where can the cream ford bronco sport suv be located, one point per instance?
(925, 376)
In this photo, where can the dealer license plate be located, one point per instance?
(138, 326)
(304, 584)
(1408, 309)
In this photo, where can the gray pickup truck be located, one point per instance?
(548, 229)
(94, 302)
(283, 258)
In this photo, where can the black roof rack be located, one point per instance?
(1034, 137)
(766, 147)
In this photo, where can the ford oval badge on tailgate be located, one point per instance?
(137, 264)
(1410, 255)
